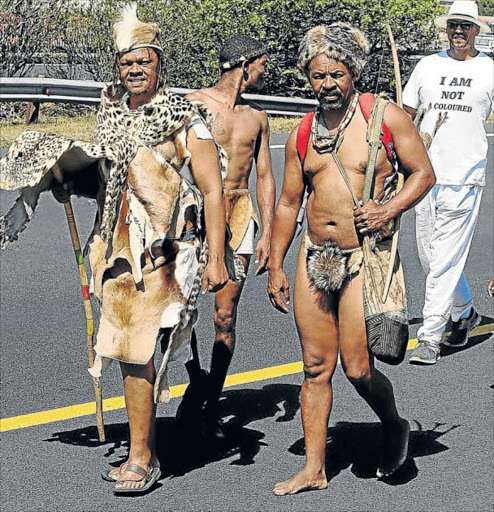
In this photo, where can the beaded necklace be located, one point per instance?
(332, 142)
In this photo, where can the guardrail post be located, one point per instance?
(32, 111)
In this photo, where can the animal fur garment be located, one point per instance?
(146, 265)
(238, 49)
(27, 167)
(119, 134)
(326, 267)
(338, 41)
(239, 211)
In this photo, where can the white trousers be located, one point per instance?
(445, 224)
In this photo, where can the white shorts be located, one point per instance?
(247, 245)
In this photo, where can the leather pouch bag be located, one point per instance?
(385, 306)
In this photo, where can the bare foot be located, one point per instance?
(395, 448)
(303, 481)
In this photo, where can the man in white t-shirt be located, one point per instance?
(458, 81)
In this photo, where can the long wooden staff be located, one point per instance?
(396, 67)
(88, 310)
(399, 101)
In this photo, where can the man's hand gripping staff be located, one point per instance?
(371, 217)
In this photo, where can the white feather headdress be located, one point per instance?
(130, 33)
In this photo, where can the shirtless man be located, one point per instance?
(332, 57)
(242, 129)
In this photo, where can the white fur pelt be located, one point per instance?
(326, 267)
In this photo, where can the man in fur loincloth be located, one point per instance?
(242, 129)
(146, 251)
(332, 321)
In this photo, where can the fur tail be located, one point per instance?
(16, 219)
(196, 286)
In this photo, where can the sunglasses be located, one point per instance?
(465, 25)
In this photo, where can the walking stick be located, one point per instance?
(396, 234)
(88, 310)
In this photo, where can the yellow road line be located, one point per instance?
(112, 404)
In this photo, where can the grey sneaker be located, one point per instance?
(425, 353)
(461, 329)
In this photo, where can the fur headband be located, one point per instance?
(238, 49)
(338, 41)
(130, 33)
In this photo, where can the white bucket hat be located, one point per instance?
(465, 10)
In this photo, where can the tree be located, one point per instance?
(486, 7)
(86, 48)
(25, 27)
(193, 32)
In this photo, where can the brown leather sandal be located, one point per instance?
(150, 476)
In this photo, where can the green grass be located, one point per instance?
(82, 128)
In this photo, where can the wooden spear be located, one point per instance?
(88, 310)
(396, 234)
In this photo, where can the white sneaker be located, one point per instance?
(425, 353)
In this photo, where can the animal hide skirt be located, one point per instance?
(240, 212)
(133, 318)
(147, 294)
(328, 266)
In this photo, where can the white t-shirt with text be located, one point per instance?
(463, 89)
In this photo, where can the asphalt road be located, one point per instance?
(56, 466)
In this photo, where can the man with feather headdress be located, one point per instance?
(147, 254)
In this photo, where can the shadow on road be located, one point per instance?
(357, 446)
(472, 340)
(181, 450)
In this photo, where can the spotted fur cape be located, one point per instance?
(120, 132)
(134, 211)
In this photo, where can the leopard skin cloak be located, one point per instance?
(119, 133)
(145, 273)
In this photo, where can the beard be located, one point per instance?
(459, 41)
(327, 105)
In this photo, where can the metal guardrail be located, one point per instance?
(87, 92)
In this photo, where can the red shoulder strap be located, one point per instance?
(303, 135)
(366, 101)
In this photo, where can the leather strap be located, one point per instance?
(373, 138)
(374, 129)
(337, 161)
(366, 102)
